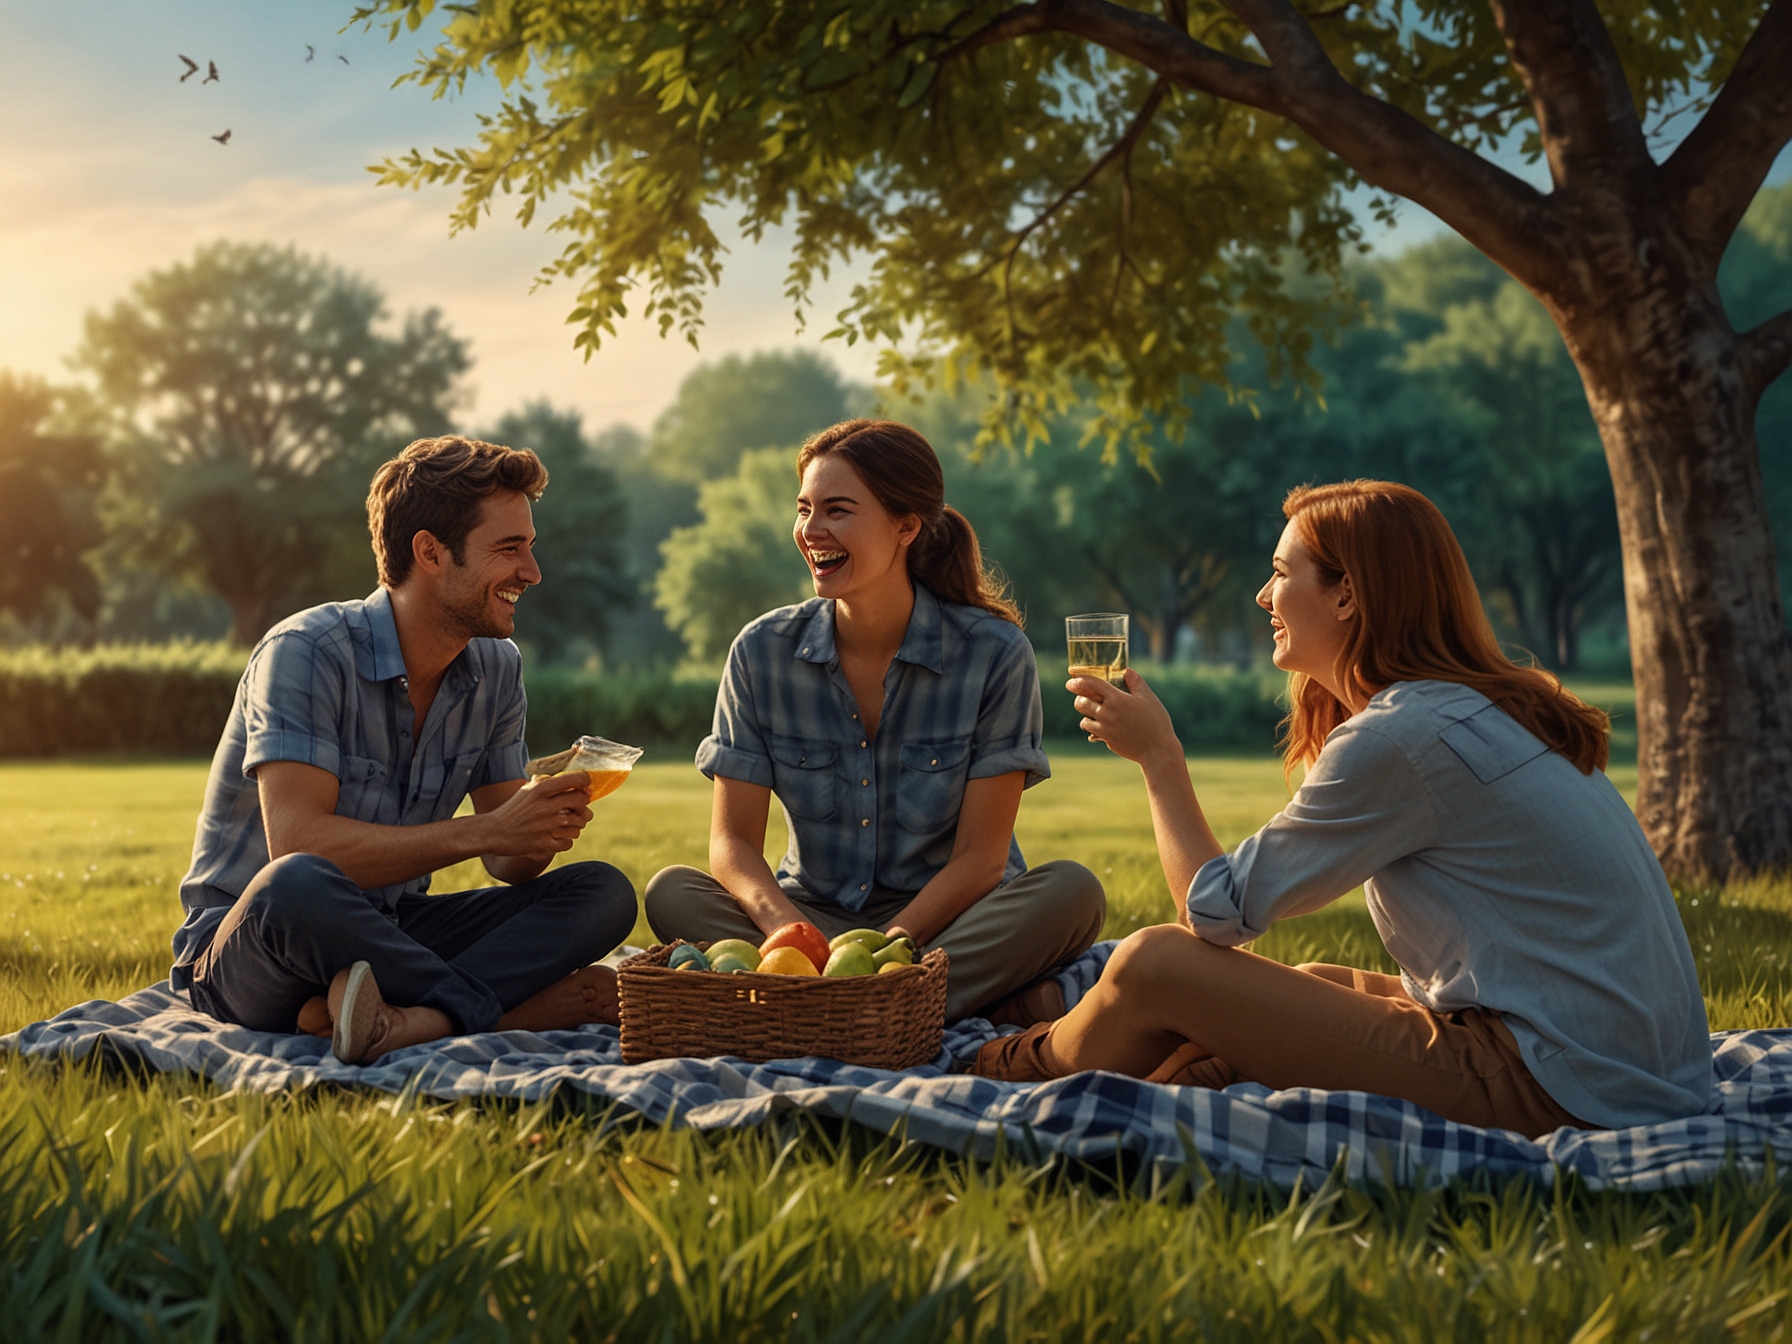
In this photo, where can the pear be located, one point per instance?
(739, 948)
(850, 959)
(870, 938)
(898, 953)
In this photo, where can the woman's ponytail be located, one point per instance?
(901, 469)
(948, 560)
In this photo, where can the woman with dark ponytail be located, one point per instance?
(896, 716)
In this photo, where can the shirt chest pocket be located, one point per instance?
(362, 788)
(803, 776)
(930, 788)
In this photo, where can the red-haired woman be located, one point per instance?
(896, 717)
(1545, 976)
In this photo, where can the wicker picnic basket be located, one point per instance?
(893, 1020)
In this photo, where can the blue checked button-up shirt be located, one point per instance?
(961, 702)
(327, 687)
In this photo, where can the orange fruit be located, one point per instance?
(804, 937)
(786, 961)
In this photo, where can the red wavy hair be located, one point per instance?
(1420, 618)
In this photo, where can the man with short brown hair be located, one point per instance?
(357, 730)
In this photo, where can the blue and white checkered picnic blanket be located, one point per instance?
(1273, 1136)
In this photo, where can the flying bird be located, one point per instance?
(342, 58)
(310, 52)
(192, 68)
(223, 139)
(211, 76)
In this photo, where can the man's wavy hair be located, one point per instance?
(439, 486)
(1420, 619)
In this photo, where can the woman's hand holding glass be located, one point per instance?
(1132, 722)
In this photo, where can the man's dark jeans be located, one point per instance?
(473, 954)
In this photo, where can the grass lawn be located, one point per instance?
(161, 1209)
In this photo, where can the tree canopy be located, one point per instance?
(1065, 215)
(248, 394)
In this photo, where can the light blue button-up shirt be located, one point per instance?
(961, 702)
(327, 687)
(1499, 877)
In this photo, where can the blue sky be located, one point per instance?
(112, 172)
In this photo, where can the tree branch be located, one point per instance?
(1765, 352)
(1502, 215)
(1586, 117)
(1714, 174)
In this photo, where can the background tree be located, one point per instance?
(49, 481)
(739, 561)
(579, 544)
(721, 410)
(1544, 526)
(249, 396)
(773, 398)
(1076, 196)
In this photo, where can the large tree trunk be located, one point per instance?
(1707, 631)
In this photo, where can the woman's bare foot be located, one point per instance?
(315, 1018)
(587, 995)
(366, 1026)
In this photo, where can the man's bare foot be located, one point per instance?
(587, 995)
(366, 1026)
(315, 1019)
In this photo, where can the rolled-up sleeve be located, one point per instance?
(506, 752)
(735, 747)
(1010, 721)
(1363, 806)
(292, 706)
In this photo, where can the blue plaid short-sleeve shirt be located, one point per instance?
(961, 702)
(327, 687)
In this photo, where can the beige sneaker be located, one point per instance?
(362, 1022)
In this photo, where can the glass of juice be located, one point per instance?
(607, 763)
(1098, 643)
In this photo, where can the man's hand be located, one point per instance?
(540, 819)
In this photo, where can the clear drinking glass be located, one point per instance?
(607, 762)
(1098, 643)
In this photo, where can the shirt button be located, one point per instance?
(865, 782)
(861, 886)
(864, 821)
(805, 653)
(861, 744)
(934, 761)
(855, 718)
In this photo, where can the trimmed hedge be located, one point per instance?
(1213, 708)
(173, 699)
(169, 698)
(645, 708)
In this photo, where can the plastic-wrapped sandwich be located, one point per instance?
(608, 763)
